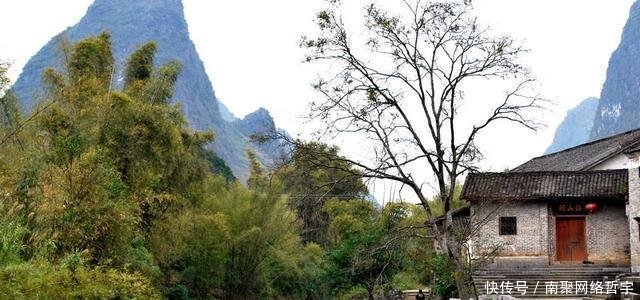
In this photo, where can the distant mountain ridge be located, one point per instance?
(133, 23)
(576, 126)
(619, 107)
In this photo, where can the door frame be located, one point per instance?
(586, 246)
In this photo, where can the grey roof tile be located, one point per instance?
(545, 185)
(583, 157)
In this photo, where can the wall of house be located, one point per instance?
(607, 235)
(608, 229)
(633, 210)
(617, 162)
(534, 245)
(528, 248)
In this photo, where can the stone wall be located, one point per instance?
(528, 247)
(607, 234)
(633, 211)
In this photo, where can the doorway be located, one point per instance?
(571, 239)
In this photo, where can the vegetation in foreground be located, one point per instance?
(106, 194)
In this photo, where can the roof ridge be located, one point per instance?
(614, 152)
(551, 172)
(585, 144)
(620, 140)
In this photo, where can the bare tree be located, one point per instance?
(402, 89)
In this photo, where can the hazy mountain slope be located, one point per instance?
(225, 113)
(132, 23)
(619, 108)
(576, 126)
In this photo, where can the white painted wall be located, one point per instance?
(620, 161)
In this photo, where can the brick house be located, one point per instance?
(577, 207)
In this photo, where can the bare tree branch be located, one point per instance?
(403, 90)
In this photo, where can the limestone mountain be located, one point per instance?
(576, 126)
(131, 24)
(619, 107)
(259, 123)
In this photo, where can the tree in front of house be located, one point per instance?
(402, 90)
(436, 204)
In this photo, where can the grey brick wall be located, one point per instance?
(607, 235)
(607, 232)
(531, 239)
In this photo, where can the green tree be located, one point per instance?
(10, 115)
(437, 205)
(217, 165)
(98, 167)
(83, 203)
(265, 239)
(4, 78)
(43, 280)
(107, 194)
(93, 169)
(238, 243)
(140, 66)
(370, 247)
(311, 182)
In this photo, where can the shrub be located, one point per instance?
(43, 280)
(443, 271)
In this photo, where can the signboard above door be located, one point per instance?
(570, 208)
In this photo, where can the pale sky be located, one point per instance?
(250, 50)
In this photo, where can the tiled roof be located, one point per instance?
(584, 156)
(544, 185)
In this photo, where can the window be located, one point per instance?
(508, 226)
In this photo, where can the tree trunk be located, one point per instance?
(466, 290)
(462, 278)
(370, 291)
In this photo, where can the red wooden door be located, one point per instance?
(570, 239)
